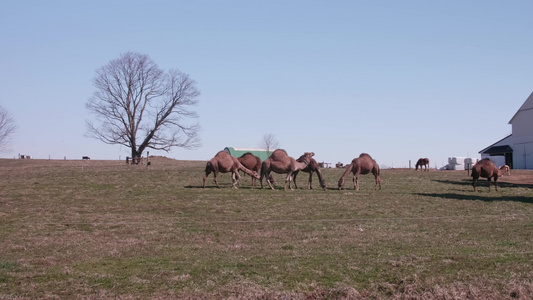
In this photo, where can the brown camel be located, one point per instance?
(486, 169)
(253, 163)
(311, 168)
(223, 162)
(361, 165)
(423, 162)
(280, 162)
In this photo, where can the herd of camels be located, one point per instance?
(280, 162)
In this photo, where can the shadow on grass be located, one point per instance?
(482, 182)
(475, 196)
(222, 187)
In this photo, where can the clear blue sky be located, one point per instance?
(396, 79)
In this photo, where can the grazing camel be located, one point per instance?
(423, 162)
(505, 170)
(224, 163)
(363, 164)
(280, 162)
(486, 169)
(311, 167)
(253, 163)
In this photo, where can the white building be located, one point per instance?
(516, 149)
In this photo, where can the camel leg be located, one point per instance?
(267, 175)
(310, 184)
(216, 182)
(288, 180)
(205, 176)
(356, 182)
(235, 177)
(378, 181)
(261, 178)
(474, 183)
(294, 178)
(270, 184)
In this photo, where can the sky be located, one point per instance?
(399, 80)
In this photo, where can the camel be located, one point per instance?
(223, 162)
(311, 168)
(253, 163)
(423, 162)
(486, 169)
(280, 162)
(363, 164)
(505, 170)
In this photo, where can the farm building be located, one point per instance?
(263, 154)
(516, 149)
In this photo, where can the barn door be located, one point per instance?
(509, 159)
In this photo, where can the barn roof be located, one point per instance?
(500, 146)
(528, 104)
(498, 150)
(263, 154)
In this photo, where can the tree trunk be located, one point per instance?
(135, 156)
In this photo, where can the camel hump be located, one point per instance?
(221, 153)
(365, 155)
(279, 154)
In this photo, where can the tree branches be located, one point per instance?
(140, 106)
(7, 128)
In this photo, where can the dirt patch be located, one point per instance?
(518, 177)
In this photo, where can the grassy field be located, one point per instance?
(102, 229)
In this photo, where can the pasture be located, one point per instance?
(102, 229)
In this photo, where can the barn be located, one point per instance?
(516, 149)
(263, 154)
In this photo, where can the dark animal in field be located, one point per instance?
(363, 164)
(280, 162)
(311, 168)
(422, 162)
(486, 169)
(223, 162)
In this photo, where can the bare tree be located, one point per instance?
(140, 106)
(270, 143)
(7, 128)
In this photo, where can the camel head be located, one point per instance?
(256, 175)
(341, 183)
(323, 184)
(306, 158)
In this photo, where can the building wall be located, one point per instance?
(523, 139)
(523, 156)
(523, 126)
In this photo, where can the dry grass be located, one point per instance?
(101, 229)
